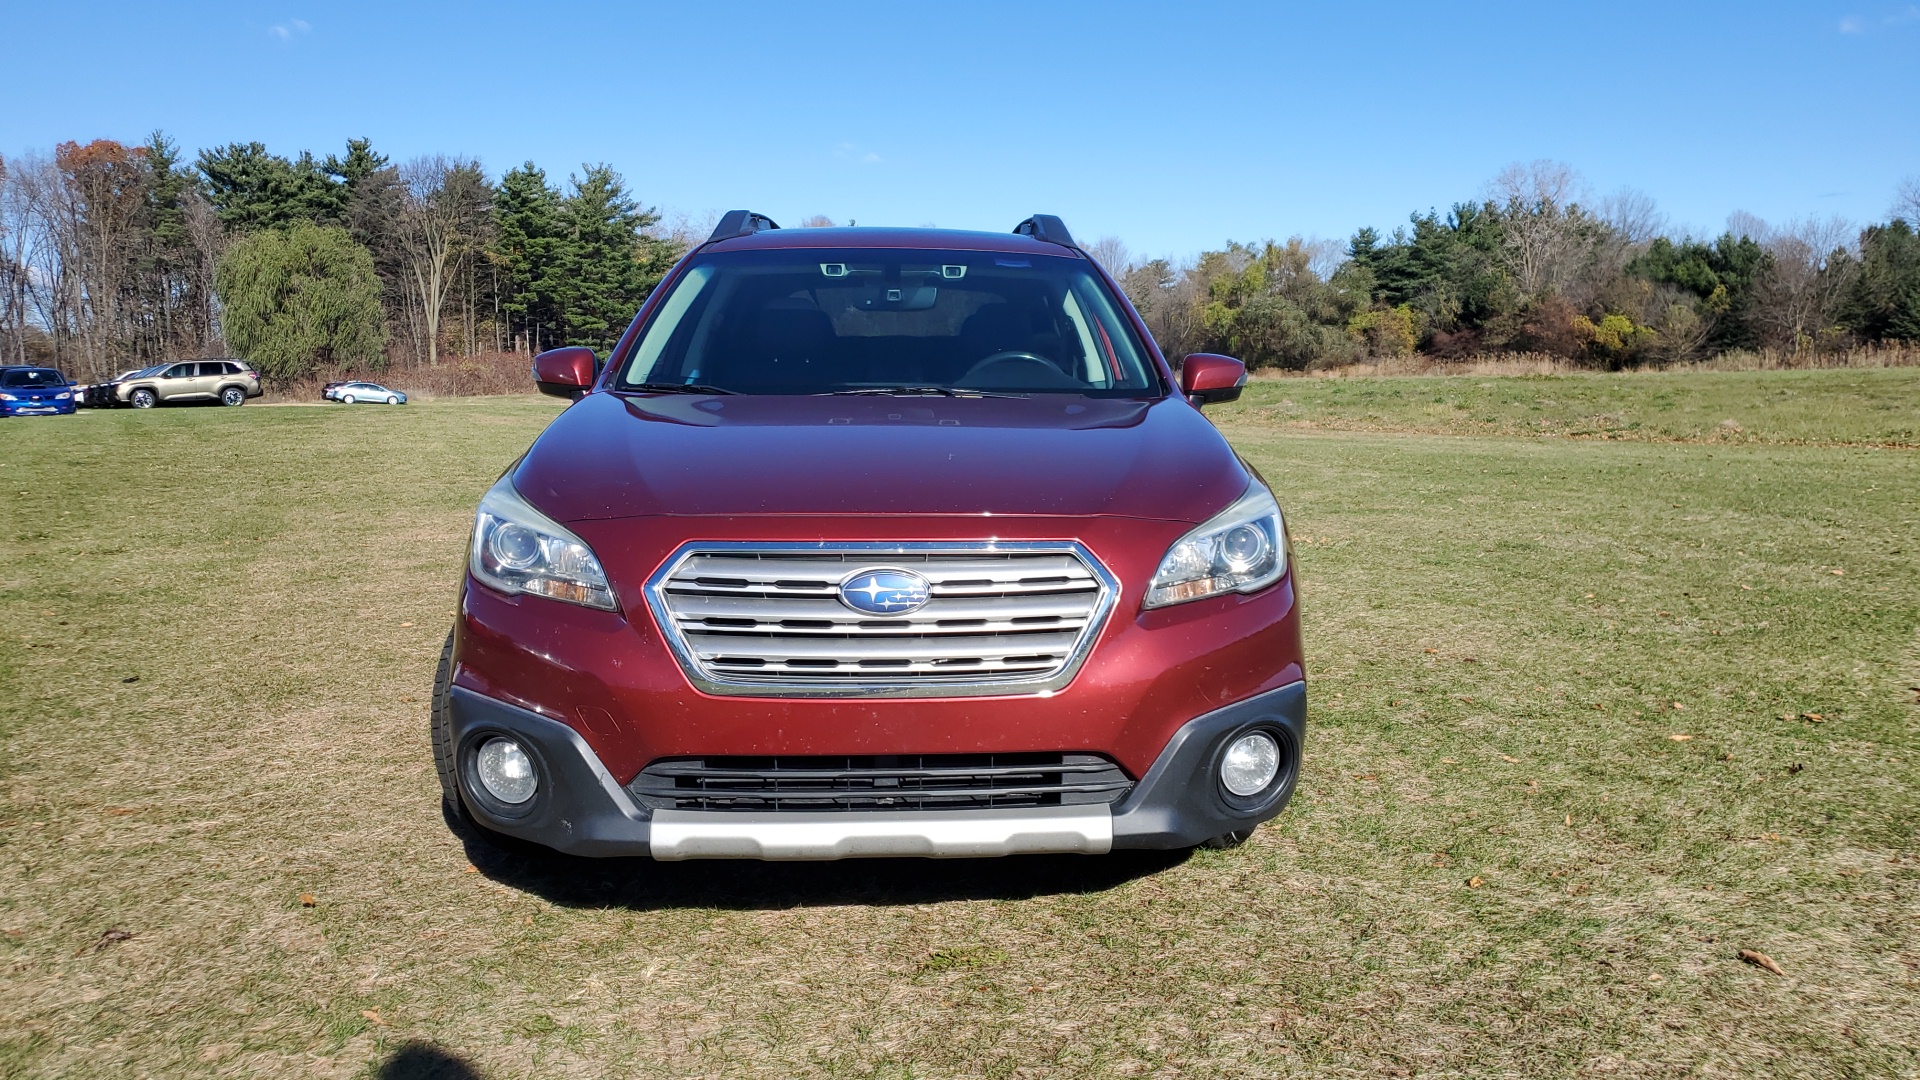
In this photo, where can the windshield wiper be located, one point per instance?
(677, 388)
(908, 391)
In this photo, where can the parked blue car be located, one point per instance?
(28, 391)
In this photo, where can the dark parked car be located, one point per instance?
(31, 391)
(876, 542)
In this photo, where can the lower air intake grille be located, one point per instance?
(890, 782)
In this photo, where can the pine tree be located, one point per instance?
(526, 253)
(607, 263)
(253, 189)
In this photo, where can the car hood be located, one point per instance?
(614, 456)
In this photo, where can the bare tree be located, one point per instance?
(817, 221)
(103, 188)
(209, 242)
(446, 199)
(1906, 201)
(1809, 265)
(13, 271)
(32, 200)
(1111, 252)
(1547, 234)
(1741, 223)
(1324, 256)
(683, 231)
(1633, 216)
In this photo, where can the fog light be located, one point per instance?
(1250, 764)
(506, 771)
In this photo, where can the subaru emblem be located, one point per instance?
(884, 591)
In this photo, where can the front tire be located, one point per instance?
(143, 399)
(393, 399)
(233, 395)
(1228, 840)
(347, 400)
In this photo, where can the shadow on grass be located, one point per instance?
(424, 1061)
(645, 885)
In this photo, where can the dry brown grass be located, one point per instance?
(1498, 632)
(480, 375)
(1494, 364)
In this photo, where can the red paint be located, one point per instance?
(566, 370)
(637, 475)
(1210, 377)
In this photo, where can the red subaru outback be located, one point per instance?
(876, 542)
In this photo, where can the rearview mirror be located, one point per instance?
(1209, 378)
(567, 372)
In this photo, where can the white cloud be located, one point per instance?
(286, 30)
(851, 151)
(1852, 24)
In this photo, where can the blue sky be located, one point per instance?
(1175, 127)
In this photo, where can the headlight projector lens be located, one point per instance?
(1250, 764)
(516, 546)
(506, 771)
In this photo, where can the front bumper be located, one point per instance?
(581, 809)
(36, 408)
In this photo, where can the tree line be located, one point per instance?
(1533, 267)
(115, 256)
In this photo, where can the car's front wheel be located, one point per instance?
(233, 395)
(393, 399)
(347, 400)
(143, 399)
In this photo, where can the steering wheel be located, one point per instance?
(1018, 356)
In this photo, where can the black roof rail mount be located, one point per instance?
(741, 223)
(1047, 229)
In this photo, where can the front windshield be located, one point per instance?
(869, 320)
(32, 377)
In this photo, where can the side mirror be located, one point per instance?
(1209, 378)
(567, 372)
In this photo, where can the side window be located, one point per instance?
(179, 371)
(212, 367)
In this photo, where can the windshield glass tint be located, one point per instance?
(33, 377)
(822, 321)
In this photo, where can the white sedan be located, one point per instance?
(351, 393)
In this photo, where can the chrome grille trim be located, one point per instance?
(764, 618)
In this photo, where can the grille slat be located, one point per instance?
(744, 618)
(692, 610)
(903, 782)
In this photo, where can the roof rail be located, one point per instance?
(1047, 229)
(741, 223)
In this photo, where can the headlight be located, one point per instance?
(61, 397)
(517, 549)
(1242, 549)
(8, 397)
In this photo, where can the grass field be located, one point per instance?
(1590, 717)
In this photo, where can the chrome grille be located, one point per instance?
(768, 619)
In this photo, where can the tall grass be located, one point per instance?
(1892, 355)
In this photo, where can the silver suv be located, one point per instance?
(230, 382)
